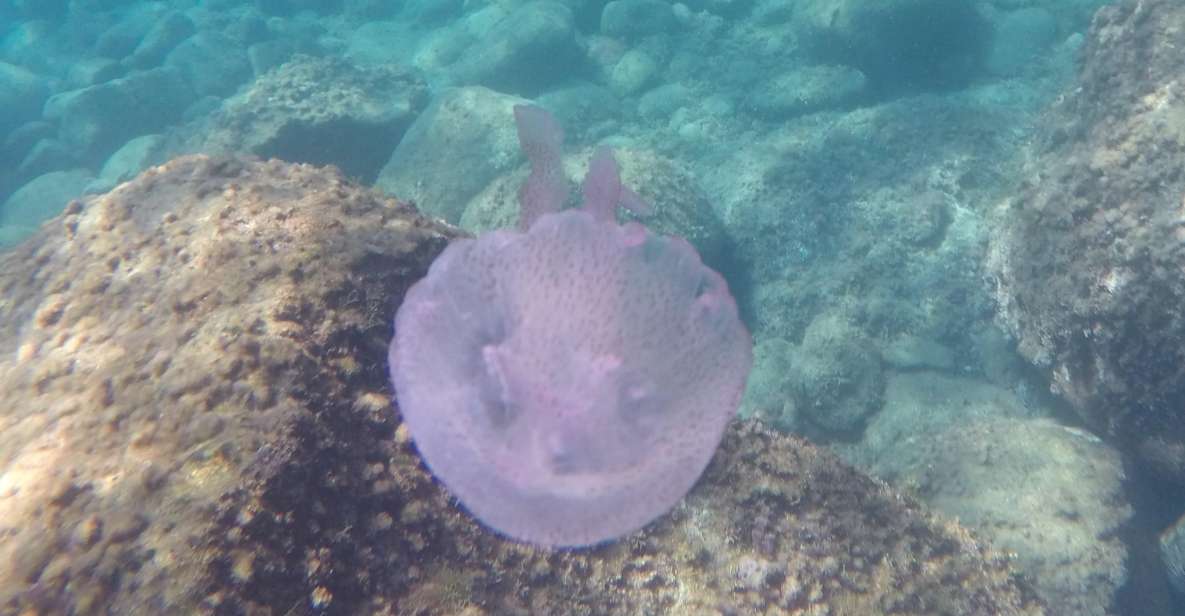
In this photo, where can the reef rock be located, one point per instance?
(1064, 521)
(316, 110)
(1088, 269)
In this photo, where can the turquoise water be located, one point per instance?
(846, 166)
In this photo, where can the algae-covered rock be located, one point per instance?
(195, 417)
(1087, 264)
(1064, 521)
(461, 142)
(161, 342)
(837, 376)
(317, 110)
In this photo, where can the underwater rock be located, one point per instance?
(663, 101)
(769, 394)
(43, 197)
(1064, 521)
(1020, 38)
(836, 376)
(896, 43)
(22, 92)
(267, 55)
(212, 63)
(317, 110)
(636, 70)
(92, 70)
(19, 142)
(807, 89)
(1172, 553)
(48, 155)
(462, 141)
(1087, 266)
(165, 34)
(98, 119)
(130, 30)
(196, 418)
(127, 162)
(908, 352)
(531, 49)
(583, 107)
(166, 329)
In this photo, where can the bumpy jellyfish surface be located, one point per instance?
(569, 384)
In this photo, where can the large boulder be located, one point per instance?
(43, 197)
(165, 34)
(196, 417)
(97, 120)
(213, 63)
(317, 110)
(1088, 266)
(462, 141)
(529, 50)
(962, 454)
(22, 92)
